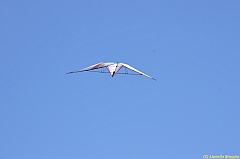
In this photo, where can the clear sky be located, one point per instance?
(191, 47)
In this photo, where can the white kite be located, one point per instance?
(113, 68)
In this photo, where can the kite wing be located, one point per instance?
(133, 69)
(93, 67)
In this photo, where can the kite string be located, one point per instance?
(134, 119)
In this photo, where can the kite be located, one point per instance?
(113, 68)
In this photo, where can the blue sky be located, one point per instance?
(192, 48)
